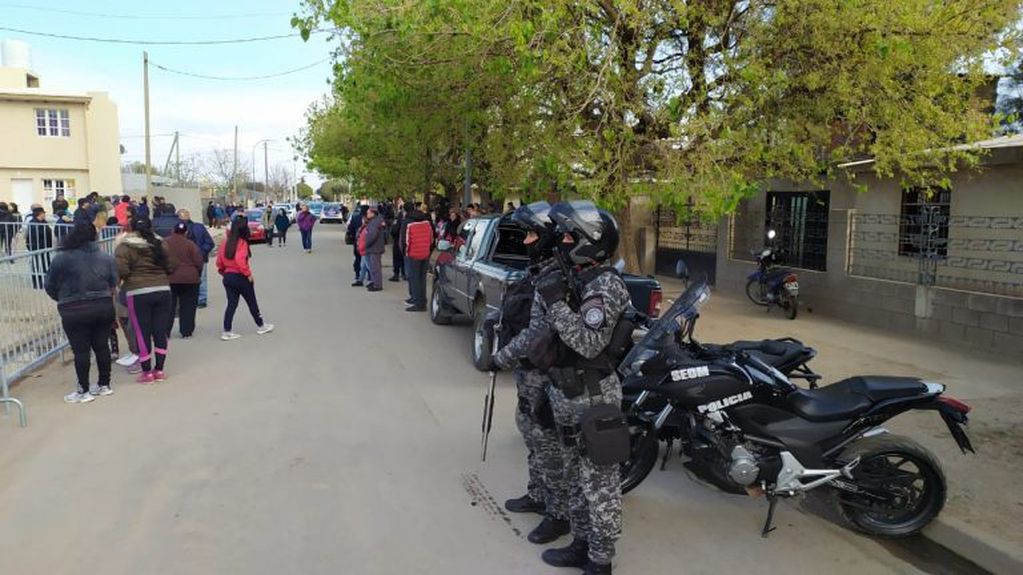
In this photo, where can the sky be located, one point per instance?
(204, 112)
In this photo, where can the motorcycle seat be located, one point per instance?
(848, 398)
(779, 354)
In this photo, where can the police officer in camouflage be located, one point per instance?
(583, 302)
(521, 326)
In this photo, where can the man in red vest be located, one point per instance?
(418, 243)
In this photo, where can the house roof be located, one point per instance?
(37, 95)
(1012, 141)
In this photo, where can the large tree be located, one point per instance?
(666, 98)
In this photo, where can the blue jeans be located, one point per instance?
(307, 239)
(203, 285)
(364, 269)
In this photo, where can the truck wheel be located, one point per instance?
(439, 312)
(482, 337)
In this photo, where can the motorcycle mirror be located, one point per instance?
(771, 234)
(681, 269)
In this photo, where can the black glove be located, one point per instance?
(552, 287)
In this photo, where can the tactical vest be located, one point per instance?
(515, 309)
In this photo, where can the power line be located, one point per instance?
(157, 42)
(239, 78)
(143, 16)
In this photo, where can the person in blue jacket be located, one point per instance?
(201, 237)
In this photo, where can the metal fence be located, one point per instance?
(931, 247)
(30, 327)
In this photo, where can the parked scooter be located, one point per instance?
(770, 285)
(747, 429)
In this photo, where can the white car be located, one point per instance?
(288, 209)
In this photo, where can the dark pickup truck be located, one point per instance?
(471, 280)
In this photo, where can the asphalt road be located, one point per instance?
(346, 441)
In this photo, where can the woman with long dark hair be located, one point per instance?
(81, 279)
(233, 264)
(143, 264)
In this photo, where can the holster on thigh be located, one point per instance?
(604, 434)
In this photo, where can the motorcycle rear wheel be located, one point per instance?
(756, 292)
(904, 472)
(641, 461)
(791, 306)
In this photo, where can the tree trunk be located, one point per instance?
(628, 246)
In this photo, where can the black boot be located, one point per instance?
(592, 568)
(550, 529)
(357, 283)
(525, 504)
(575, 555)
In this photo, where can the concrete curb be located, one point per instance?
(986, 550)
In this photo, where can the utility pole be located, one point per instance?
(145, 89)
(234, 170)
(177, 158)
(266, 175)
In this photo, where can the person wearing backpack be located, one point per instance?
(418, 243)
(523, 329)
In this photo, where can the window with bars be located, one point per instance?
(800, 220)
(923, 222)
(53, 122)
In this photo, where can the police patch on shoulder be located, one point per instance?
(592, 311)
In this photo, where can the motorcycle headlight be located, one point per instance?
(634, 364)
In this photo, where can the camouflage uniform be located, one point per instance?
(546, 468)
(595, 499)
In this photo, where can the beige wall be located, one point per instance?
(90, 156)
(22, 148)
(104, 145)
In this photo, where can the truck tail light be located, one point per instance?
(655, 303)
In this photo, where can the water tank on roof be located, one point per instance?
(15, 54)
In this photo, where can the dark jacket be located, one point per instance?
(189, 258)
(136, 266)
(282, 222)
(81, 274)
(163, 224)
(201, 237)
(375, 235)
(38, 235)
(413, 216)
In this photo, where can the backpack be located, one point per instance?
(418, 240)
(515, 309)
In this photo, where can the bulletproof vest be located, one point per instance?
(515, 310)
(621, 337)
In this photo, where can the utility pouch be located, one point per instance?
(568, 381)
(524, 406)
(604, 435)
(542, 351)
(543, 413)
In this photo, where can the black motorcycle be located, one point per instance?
(769, 285)
(747, 429)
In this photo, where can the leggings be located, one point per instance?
(151, 318)
(87, 325)
(282, 237)
(237, 286)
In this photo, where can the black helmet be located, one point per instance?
(534, 218)
(595, 231)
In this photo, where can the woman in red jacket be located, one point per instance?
(233, 264)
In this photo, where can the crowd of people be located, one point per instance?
(157, 273)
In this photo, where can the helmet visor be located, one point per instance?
(578, 217)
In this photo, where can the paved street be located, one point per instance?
(347, 441)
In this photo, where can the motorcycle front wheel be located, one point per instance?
(902, 487)
(756, 292)
(642, 459)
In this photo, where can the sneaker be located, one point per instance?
(410, 301)
(357, 283)
(265, 328)
(127, 359)
(104, 390)
(135, 367)
(415, 308)
(229, 335)
(374, 288)
(159, 375)
(145, 377)
(186, 337)
(78, 397)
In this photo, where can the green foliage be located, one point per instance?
(303, 190)
(610, 98)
